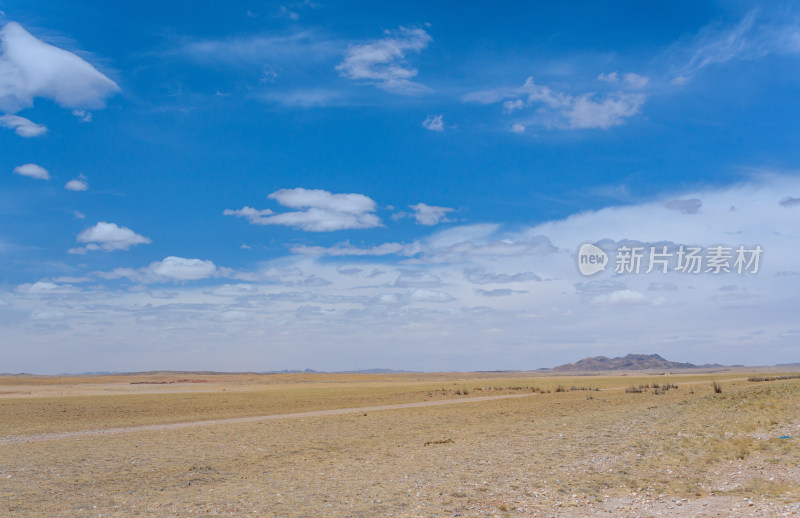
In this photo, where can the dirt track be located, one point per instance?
(19, 439)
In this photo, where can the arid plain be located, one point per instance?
(456, 444)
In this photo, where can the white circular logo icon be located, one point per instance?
(591, 259)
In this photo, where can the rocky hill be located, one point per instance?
(630, 362)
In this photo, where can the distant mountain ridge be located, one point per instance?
(632, 362)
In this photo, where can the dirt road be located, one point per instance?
(19, 439)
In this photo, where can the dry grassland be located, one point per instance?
(566, 450)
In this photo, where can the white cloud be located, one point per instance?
(78, 214)
(169, 269)
(31, 68)
(621, 298)
(108, 237)
(465, 282)
(182, 269)
(560, 110)
(612, 110)
(323, 211)
(32, 171)
(430, 214)
(82, 115)
(433, 123)
(512, 106)
(381, 62)
(255, 216)
(46, 288)
(528, 93)
(77, 184)
(22, 126)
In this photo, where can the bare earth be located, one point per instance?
(474, 444)
(17, 439)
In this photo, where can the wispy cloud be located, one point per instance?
(434, 123)
(382, 62)
(556, 109)
(478, 276)
(430, 214)
(323, 211)
(631, 79)
(292, 10)
(754, 37)
(304, 98)
(23, 127)
(346, 249)
(31, 68)
(255, 50)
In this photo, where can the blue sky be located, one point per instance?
(260, 185)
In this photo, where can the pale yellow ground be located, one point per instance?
(578, 452)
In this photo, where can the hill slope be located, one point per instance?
(628, 362)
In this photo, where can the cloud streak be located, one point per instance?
(754, 37)
(382, 62)
(23, 127)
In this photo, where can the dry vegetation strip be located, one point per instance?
(18, 439)
(89, 404)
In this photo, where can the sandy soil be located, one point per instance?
(592, 451)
